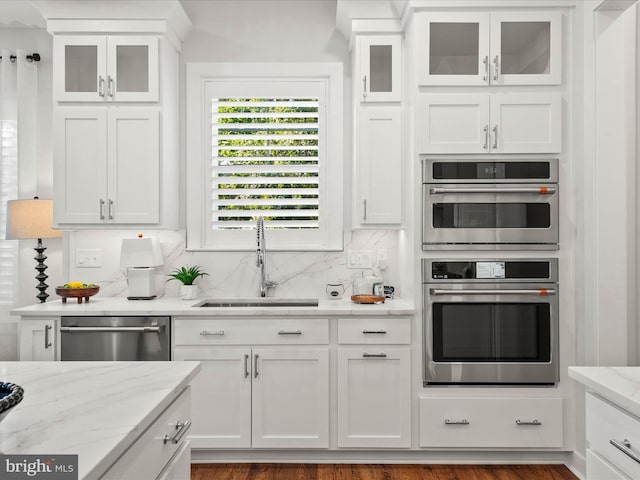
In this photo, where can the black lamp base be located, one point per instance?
(41, 276)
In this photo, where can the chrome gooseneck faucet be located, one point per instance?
(262, 254)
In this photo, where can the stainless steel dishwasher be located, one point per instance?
(87, 338)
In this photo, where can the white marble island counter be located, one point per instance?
(115, 306)
(621, 385)
(93, 409)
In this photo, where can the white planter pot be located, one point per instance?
(189, 292)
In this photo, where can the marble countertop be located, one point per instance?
(620, 385)
(174, 306)
(93, 409)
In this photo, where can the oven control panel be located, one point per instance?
(490, 270)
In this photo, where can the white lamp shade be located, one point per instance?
(30, 219)
(140, 252)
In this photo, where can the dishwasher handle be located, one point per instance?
(113, 329)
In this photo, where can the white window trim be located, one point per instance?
(197, 75)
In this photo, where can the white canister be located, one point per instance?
(334, 290)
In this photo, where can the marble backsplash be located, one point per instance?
(234, 274)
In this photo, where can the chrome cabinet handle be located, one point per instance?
(374, 332)
(539, 291)
(534, 422)
(374, 355)
(246, 365)
(181, 429)
(255, 366)
(206, 333)
(486, 68)
(110, 209)
(538, 190)
(101, 86)
(496, 66)
(495, 137)
(486, 137)
(295, 332)
(464, 421)
(110, 86)
(364, 207)
(364, 87)
(101, 206)
(47, 343)
(112, 329)
(625, 447)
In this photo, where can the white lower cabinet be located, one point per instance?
(162, 452)
(38, 339)
(374, 397)
(488, 422)
(255, 396)
(613, 439)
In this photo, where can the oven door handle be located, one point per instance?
(112, 329)
(543, 292)
(517, 190)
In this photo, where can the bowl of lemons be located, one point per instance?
(77, 290)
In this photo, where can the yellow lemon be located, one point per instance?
(75, 284)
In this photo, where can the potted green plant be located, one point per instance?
(187, 275)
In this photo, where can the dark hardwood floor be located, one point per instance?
(279, 471)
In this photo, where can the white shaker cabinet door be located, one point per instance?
(221, 397)
(599, 469)
(451, 123)
(380, 166)
(38, 340)
(374, 397)
(526, 123)
(290, 406)
(134, 167)
(80, 159)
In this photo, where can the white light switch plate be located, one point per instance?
(88, 258)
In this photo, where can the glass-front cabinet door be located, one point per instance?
(380, 61)
(526, 48)
(510, 48)
(114, 68)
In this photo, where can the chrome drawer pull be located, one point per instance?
(295, 332)
(246, 365)
(47, 343)
(374, 332)
(181, 429)
(535, 422)
(374, 355)
(206, 333)
(464, 421)
(625, 447)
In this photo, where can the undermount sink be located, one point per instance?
(258, 302)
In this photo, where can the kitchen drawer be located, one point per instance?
(371, 331)
(470, 422)
(233, 331)
(605, 423)
(149, 455)
(600, 469)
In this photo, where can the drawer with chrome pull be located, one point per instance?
(613, 434)
(491, 422)
(156, 447)
(251, 331)
(373, 330)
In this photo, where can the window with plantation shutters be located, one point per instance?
(269, 144)
(265, 162)
(8, 191)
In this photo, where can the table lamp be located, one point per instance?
(33, 219)
(138, 259)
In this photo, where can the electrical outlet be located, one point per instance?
(88, 258)
(359, 259)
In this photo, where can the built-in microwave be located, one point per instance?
(490, 322)
(494, 204)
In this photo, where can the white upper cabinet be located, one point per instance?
(379, 58)
(490, 123)
(508, 48)
(113, 68)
